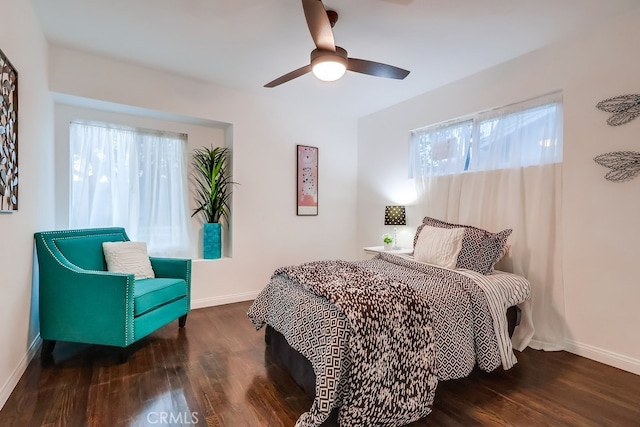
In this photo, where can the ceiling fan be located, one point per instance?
(328, 61)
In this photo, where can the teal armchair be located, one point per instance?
(80, 301)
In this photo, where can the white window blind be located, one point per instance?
(132, 178)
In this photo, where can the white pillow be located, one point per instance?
(439, 246)
(129, 258)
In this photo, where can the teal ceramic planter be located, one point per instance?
(212, 240)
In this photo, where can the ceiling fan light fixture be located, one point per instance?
(329, 71)
(327, 65)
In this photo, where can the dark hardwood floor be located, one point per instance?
(214, 372)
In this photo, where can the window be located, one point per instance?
(521, 135)
(132, 178)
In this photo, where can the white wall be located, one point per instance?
(600, 226)
(266, 233)
(25, 46)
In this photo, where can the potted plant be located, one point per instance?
(388, 240)
(213, 187)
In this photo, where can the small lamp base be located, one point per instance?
(395, 239)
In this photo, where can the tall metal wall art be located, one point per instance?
(8, 136)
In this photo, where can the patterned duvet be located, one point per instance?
(318, 314)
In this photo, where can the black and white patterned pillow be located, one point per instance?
(481, 249)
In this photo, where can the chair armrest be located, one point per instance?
(176, 268)
(87, 306)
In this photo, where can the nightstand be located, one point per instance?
(378, 249)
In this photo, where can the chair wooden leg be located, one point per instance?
(123, 354)
(47, 347)
(182, 321)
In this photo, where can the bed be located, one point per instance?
(379, 334)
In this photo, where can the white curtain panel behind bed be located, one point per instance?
(523, 194)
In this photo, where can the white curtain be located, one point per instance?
(502, 169)
(132, 178)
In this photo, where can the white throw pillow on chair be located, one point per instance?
(128, 258)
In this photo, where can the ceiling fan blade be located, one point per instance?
(319, 24)
(289, 76)
(376, 69)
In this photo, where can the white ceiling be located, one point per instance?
(244, 44)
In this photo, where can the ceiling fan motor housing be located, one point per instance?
(322, 55)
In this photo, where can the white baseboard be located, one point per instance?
(607, 357)
(13, 380)
(224, 299)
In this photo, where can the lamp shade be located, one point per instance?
(395, 215)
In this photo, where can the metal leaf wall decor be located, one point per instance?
(624, 165)
(8, 136)
(624, 108)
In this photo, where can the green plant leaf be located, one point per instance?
(213, 185)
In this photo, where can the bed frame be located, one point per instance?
(299, 367)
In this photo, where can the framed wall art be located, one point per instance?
(307, 191)
(8, 136)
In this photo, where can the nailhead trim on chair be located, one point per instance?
(188, 300)
(127, 339)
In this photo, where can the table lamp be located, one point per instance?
(395, 215)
